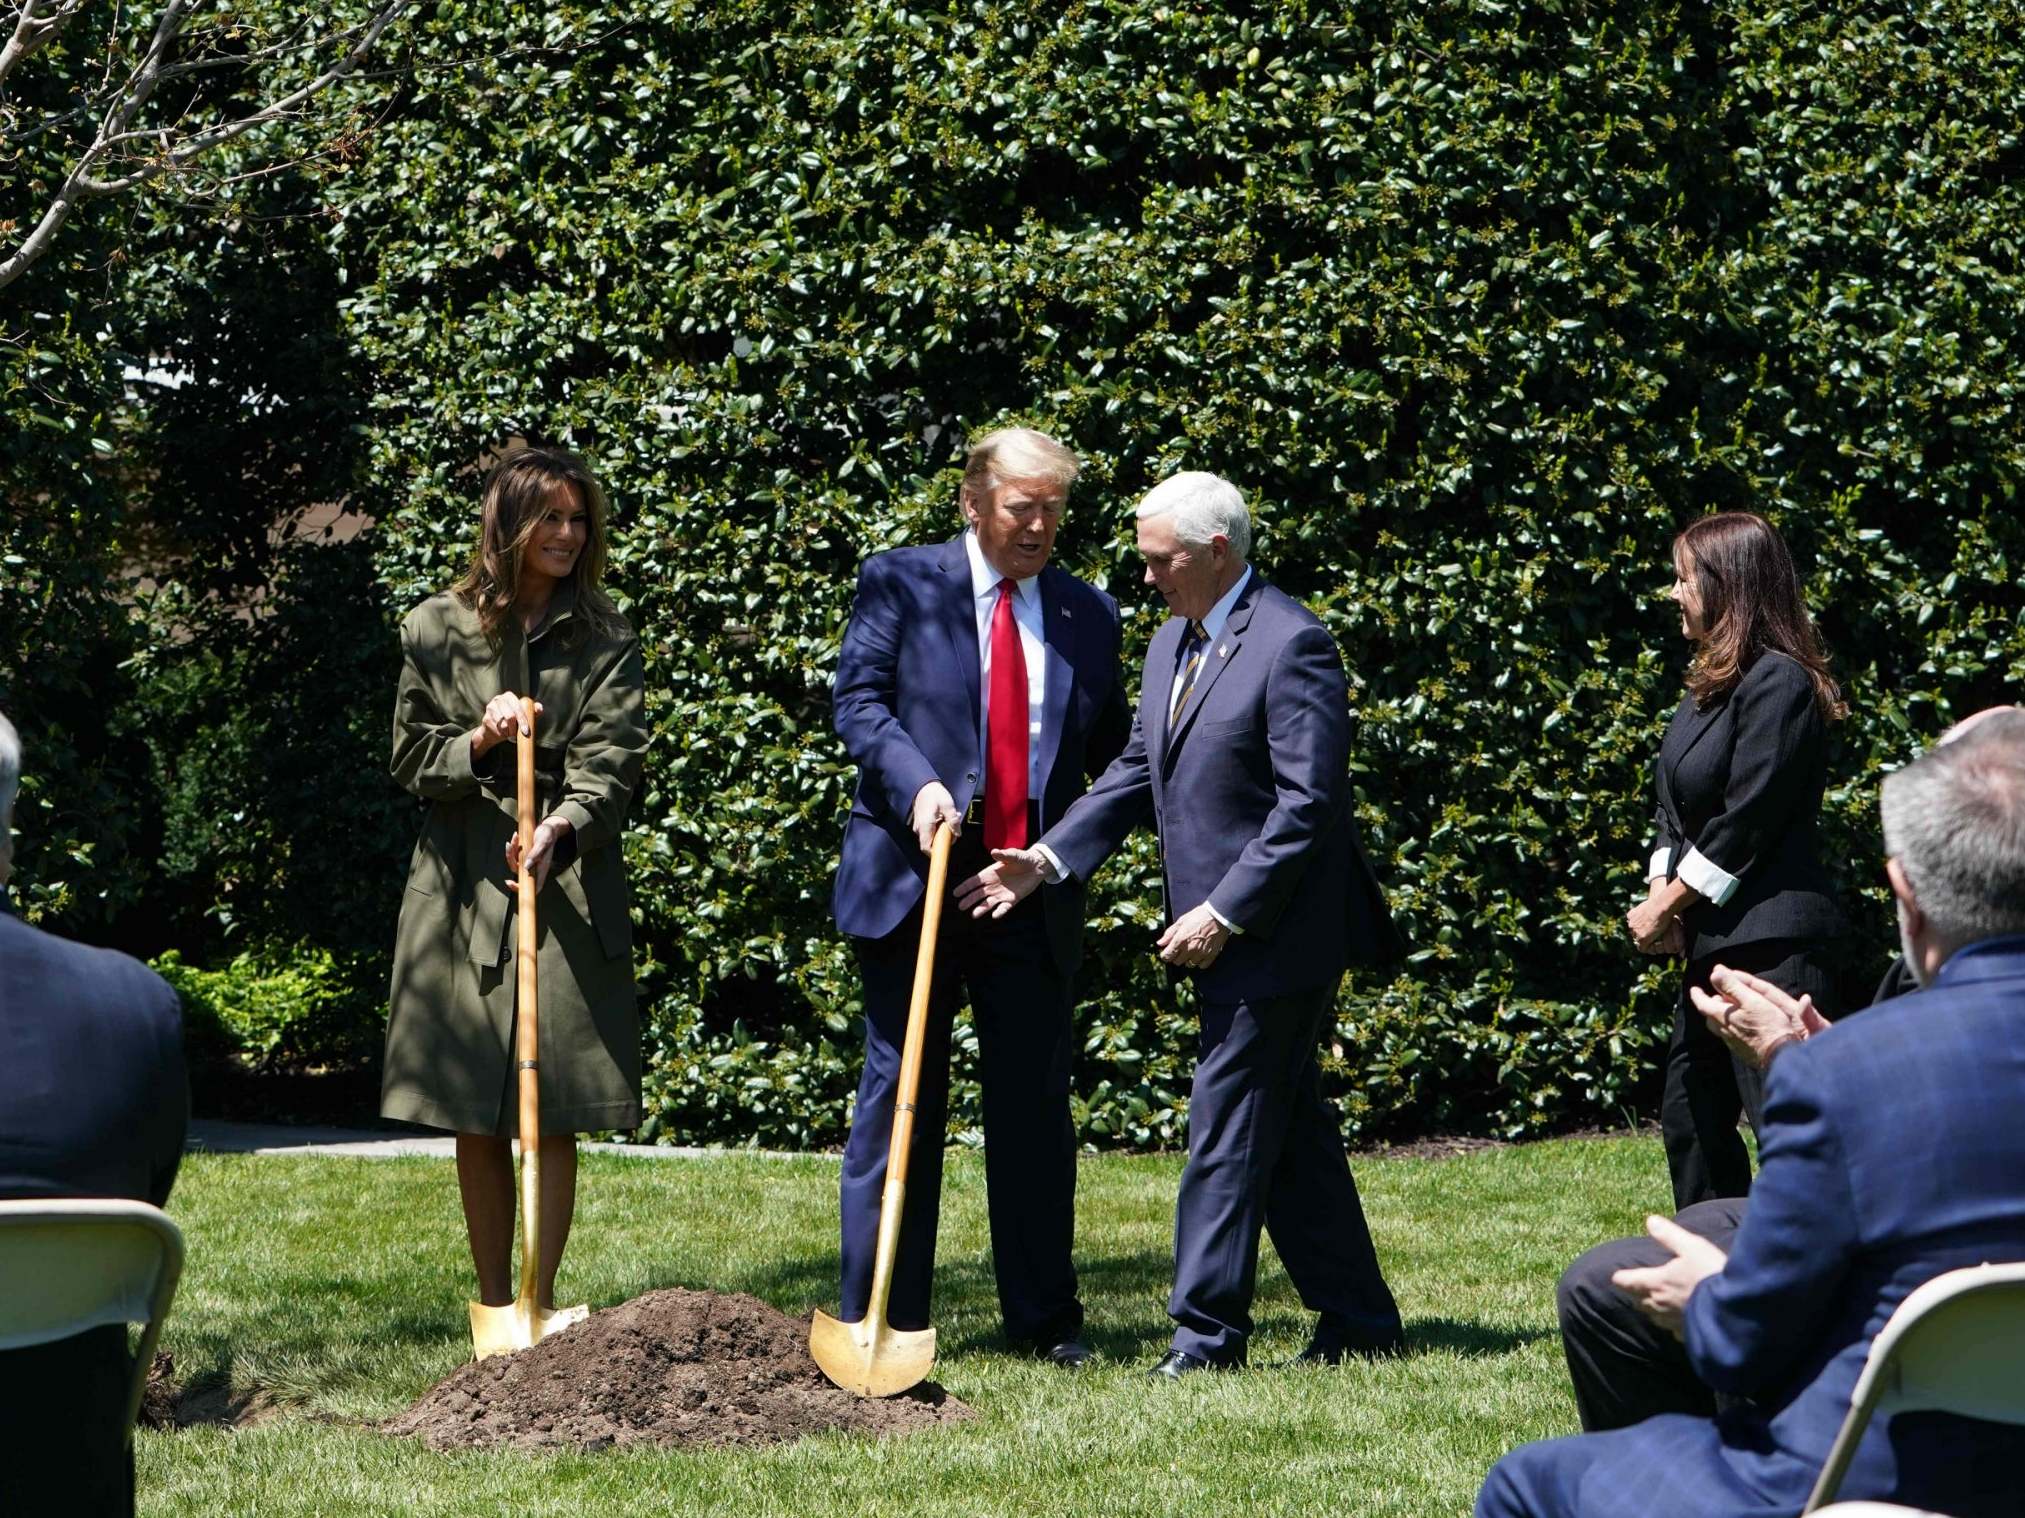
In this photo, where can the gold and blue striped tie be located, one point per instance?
(1198, 644)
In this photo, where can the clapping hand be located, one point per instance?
(1753, 1016)
(995, 890)
(1661, 1292)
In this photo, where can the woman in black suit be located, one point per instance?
(1734, 877)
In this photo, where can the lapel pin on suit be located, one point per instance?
(1223, 651)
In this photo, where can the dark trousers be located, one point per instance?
(1708, 1088)
(1021, 1005)
(63, 1450)
(1625, 1367)
(1265, 1150)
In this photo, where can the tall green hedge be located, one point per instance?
(1477, 302)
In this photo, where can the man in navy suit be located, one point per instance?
(977, 686)
(93, 1103)
(1239, 756)
(1891, 1155)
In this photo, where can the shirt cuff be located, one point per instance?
(1228, 924)
(1656, 869)
(1708, 877)
(1053, 871)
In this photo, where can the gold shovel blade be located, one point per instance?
(869, 1359)
(502, 1330)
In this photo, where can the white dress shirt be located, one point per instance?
(1212, 626)
(1026, 601)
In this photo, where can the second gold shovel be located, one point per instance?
(869, 1357)
(502, 1330)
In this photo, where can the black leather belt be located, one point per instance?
(973, 815)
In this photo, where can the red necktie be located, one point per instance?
(1005, 758)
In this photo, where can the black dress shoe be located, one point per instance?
(1177, 1363)
(1329, 1349)
(1070, 1354)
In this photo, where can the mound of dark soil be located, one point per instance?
(670, 1367)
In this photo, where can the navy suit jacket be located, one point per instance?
(1251, 797)
(93, 1093)
(1892, 1153)
(908, 705)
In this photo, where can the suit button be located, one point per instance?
(972, 776)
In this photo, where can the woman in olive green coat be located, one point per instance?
(528, 617)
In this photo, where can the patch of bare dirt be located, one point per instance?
(670, 1367)
(167, 1403)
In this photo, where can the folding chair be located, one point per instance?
(1956, 1345)
(71, 1265)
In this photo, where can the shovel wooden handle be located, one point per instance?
(527, 1026)
(893, 1203)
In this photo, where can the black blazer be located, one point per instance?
(1739, 785)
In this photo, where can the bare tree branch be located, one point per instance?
(170, 149)
(35, 23)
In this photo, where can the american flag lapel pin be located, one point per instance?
(1223, 651)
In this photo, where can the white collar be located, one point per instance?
(984, 579)
(1212, 625)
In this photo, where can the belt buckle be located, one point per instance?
(973, 815)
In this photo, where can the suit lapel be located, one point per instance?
(958, 608)
(1058, 639)
(1680, 738)
(1153, 688)
(1216, 659)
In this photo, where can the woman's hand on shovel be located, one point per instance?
(539, 857)
(499, 724)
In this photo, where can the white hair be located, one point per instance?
(1204, 506)
(1955, 821)
(1019, 453)
(10, 771)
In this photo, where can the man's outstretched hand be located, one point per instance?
(1013, 876)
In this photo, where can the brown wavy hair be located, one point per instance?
(1751, 605)
(515, 501)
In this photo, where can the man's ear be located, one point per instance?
(1901, 887)
(967, 499)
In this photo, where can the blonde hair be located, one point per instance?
(1018, 453)
(515, 502)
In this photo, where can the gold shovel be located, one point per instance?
(502, 1330)
(868, 1357)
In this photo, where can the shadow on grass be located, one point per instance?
(1472, 1341)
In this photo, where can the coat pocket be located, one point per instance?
(603, 878)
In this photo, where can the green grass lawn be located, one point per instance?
(339, 1287)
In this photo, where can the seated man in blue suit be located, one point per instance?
(1240, 758)
(977, 685)
(93, 1103)
(1892, 1154)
